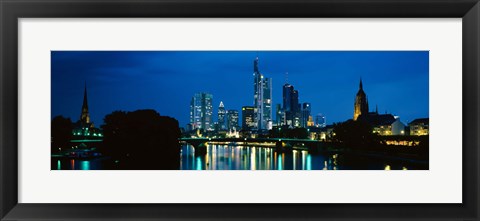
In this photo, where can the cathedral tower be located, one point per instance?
(361, 103)
(85, 116)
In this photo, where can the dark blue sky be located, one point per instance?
(396, 81)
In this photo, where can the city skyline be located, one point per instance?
(397, 82)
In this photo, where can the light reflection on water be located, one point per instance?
(78, 164)
(225, 157)
(229, 157)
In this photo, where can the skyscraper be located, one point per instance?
(361, 103)
(232, 119)
(221, 116)
(291, 107)
(248, 118)
(262, 94)
(306, 111)
(201, 111)
(320, 120)
(280, 115)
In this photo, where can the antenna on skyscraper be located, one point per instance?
(286, 77)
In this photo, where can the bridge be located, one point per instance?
(279, 144)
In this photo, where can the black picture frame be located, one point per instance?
(12, 10)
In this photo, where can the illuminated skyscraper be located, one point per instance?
(221, 116)
(280, 115)
(291, 107)
(201, 111)
(306, 110)
(248, 118)
(262, 94)
(232, 120)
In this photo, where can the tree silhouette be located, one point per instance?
(142, 140)
(355, 134)
(61, 129)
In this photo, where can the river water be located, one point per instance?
(225, 157)
(229, 157)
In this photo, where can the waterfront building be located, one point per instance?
(361, 103)
(321, 133)
(232, 120)
(391, 127)
(262, 94)
(384, 124)
(419, 127)
(248, 118)
(201, 111)
(221, 117)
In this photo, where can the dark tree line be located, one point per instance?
(355, 134)
(142, 139)
(61, 129)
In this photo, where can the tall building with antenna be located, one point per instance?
(221, 116)
(262, 95)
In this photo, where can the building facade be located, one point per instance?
(201, 111)
(262, 94)
(306, 111)
(320, 120)
(221, 117)
(248, 118)
(291, 107)
(419, 127)
(232, 120)
(279, 115)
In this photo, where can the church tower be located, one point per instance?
(85, 116)
(361, 103)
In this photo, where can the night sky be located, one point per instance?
(396, 81)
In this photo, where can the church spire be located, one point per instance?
(85, 116)
(361, 102)
(85, 102)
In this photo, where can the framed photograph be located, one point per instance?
(239, 110)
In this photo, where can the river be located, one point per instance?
(225, 157)
(230, 157)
